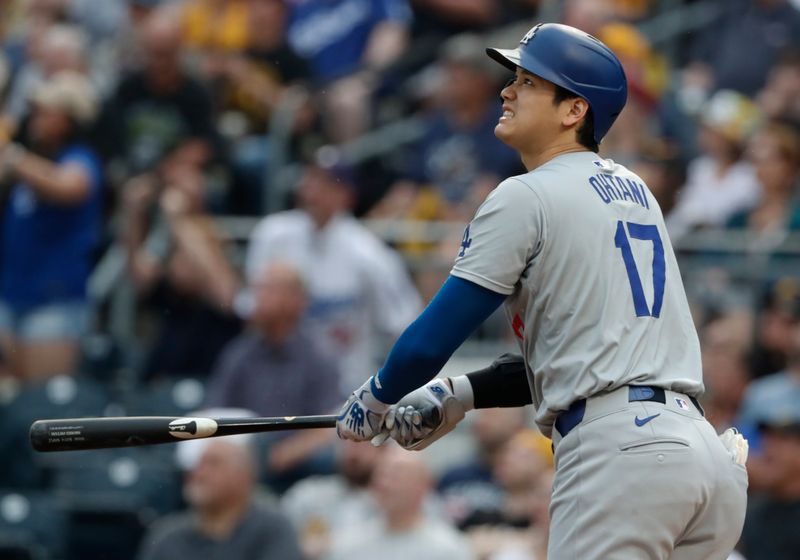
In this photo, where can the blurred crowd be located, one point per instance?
(275, 189)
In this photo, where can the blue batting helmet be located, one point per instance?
(576, 61)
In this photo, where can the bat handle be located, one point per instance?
(431, 417)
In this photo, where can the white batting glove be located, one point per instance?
(737, 446)
(361, 417)
(428, 413)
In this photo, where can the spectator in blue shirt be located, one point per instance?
(50, 228)
(349, 44)
(337, 36)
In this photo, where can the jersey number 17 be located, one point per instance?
(622, 240)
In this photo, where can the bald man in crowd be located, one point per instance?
(225, 519)
(400, 483)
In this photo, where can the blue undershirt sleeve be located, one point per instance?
(450, 318)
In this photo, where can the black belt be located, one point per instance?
(573, 416)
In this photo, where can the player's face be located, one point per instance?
(530, 119)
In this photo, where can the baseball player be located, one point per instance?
(578, 252)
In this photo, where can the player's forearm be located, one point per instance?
(502, 384)
(422, 350)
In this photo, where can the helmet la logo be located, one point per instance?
(529, 35)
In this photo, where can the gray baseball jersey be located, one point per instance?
(596, 299)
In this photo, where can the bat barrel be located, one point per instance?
(73, 434)
(99, 433)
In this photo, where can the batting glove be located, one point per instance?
(736, 445)
(425, 415)
(361, 417)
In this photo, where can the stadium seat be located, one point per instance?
(110, 496)
(32, 526)
(10, 550)
(59, 397)
(136, 478)
(166, 397)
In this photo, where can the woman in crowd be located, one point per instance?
(50, 226)
(775, 154)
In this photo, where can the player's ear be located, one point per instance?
(577, 107)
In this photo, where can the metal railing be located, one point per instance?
(744, 255)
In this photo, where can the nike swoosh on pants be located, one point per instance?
(642, 421)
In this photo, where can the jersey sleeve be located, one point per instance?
(503, 238)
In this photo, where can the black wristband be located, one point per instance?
(503, 384)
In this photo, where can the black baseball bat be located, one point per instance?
(72, 434)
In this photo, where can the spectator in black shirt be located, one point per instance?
(159, 115)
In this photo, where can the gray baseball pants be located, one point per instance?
(663, 489)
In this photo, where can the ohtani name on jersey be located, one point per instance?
(611, 188)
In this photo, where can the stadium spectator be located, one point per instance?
(663, 170)
(123, 53)
(100, 20)
(50, 229)
(719, 183)
(215, 26)
(179, 267)
(259, 75)
(775, 153)
(60, 48)
(780, 98)
(737, 50)
(23, 23)
(226, 518)
(349, 44)
(773, 514)
(5, 75)
(588, 15)
(159, 116)
(400, 484)
(253, 84)
(523, 460)
(321, 507)
(639, 124)
(457, 161)
(359, 288)
(436, 20)
(275, 369)
(528, 543)
(726, 345)
(774, 325)
(433, 22)
(470, 492)
(777, 394)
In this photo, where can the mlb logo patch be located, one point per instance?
(682, 404)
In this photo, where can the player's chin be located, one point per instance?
(504, 132)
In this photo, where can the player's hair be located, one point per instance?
(585, 131)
